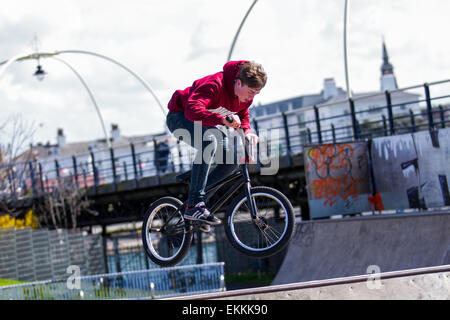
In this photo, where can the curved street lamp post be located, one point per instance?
(105, 132)
(347, 82)
(40, 74)
(230, 52)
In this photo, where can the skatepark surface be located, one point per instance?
(356, 246)
(431, 283)
(398, 256)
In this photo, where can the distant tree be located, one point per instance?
(60, 207)
(15, 137)
(57, 207)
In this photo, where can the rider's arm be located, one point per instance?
(244, 115)
(198, 101)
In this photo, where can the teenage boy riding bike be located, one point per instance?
(222, 98)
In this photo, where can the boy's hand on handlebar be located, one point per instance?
(252, 138)
(232, 121)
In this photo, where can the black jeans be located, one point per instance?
(211, 143)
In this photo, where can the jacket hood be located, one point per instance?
(230, 73)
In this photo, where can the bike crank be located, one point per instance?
(204, 227)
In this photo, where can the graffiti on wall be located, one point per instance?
(338, 178)
(398, 172)
(412, 170)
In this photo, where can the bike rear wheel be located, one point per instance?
(164, 232)
(270, 232)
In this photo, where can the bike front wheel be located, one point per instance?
(270, 232)
(165, 237)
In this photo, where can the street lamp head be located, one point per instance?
(40, 73)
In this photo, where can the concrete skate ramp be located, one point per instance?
(357, 246)
(434, 286)
(432, 283)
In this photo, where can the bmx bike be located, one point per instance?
(259, 221)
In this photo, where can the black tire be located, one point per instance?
(168, 245)
(246, 236)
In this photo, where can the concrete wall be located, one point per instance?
(413, 170)
(336, 248)
(338, 178)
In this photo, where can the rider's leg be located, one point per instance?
(226, 159)
(197, 210)
(220, 172)
(226, 165)
(205, 140)
(199, 174)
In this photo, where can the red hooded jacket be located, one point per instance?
(207, 98)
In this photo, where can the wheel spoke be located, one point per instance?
(165, 232)
(268, 229)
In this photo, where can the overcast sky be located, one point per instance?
(172, 43)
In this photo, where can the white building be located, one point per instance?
(334, 109)
(63, 155)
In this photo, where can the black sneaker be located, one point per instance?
(201, 213)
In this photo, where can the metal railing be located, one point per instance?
(144, 284)
(125, 252)
(402, 111)
(411, 109)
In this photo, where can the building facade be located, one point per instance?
(333, 109)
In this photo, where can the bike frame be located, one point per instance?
(211, 190)
(241, 179)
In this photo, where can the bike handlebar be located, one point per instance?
(246, 145)
(229, 119)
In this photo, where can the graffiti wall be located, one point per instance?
(398, 172)
(413, 170)
(338, 178)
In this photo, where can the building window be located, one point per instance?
(259, 112)
(301, 120)
(297, 104)
(271, 109)
(283, 107)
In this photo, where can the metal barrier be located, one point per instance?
(144, 284)
(125, 252)
(33, 255)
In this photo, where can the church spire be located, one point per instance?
(388, 80)
(386, 67)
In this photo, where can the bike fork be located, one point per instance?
(250, 200)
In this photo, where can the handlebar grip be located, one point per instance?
(229, 119)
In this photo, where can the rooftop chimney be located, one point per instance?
(115, 132)
(61, 139)
(329, 88)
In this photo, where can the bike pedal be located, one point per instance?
(205, 228)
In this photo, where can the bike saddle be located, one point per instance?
(184, 177)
